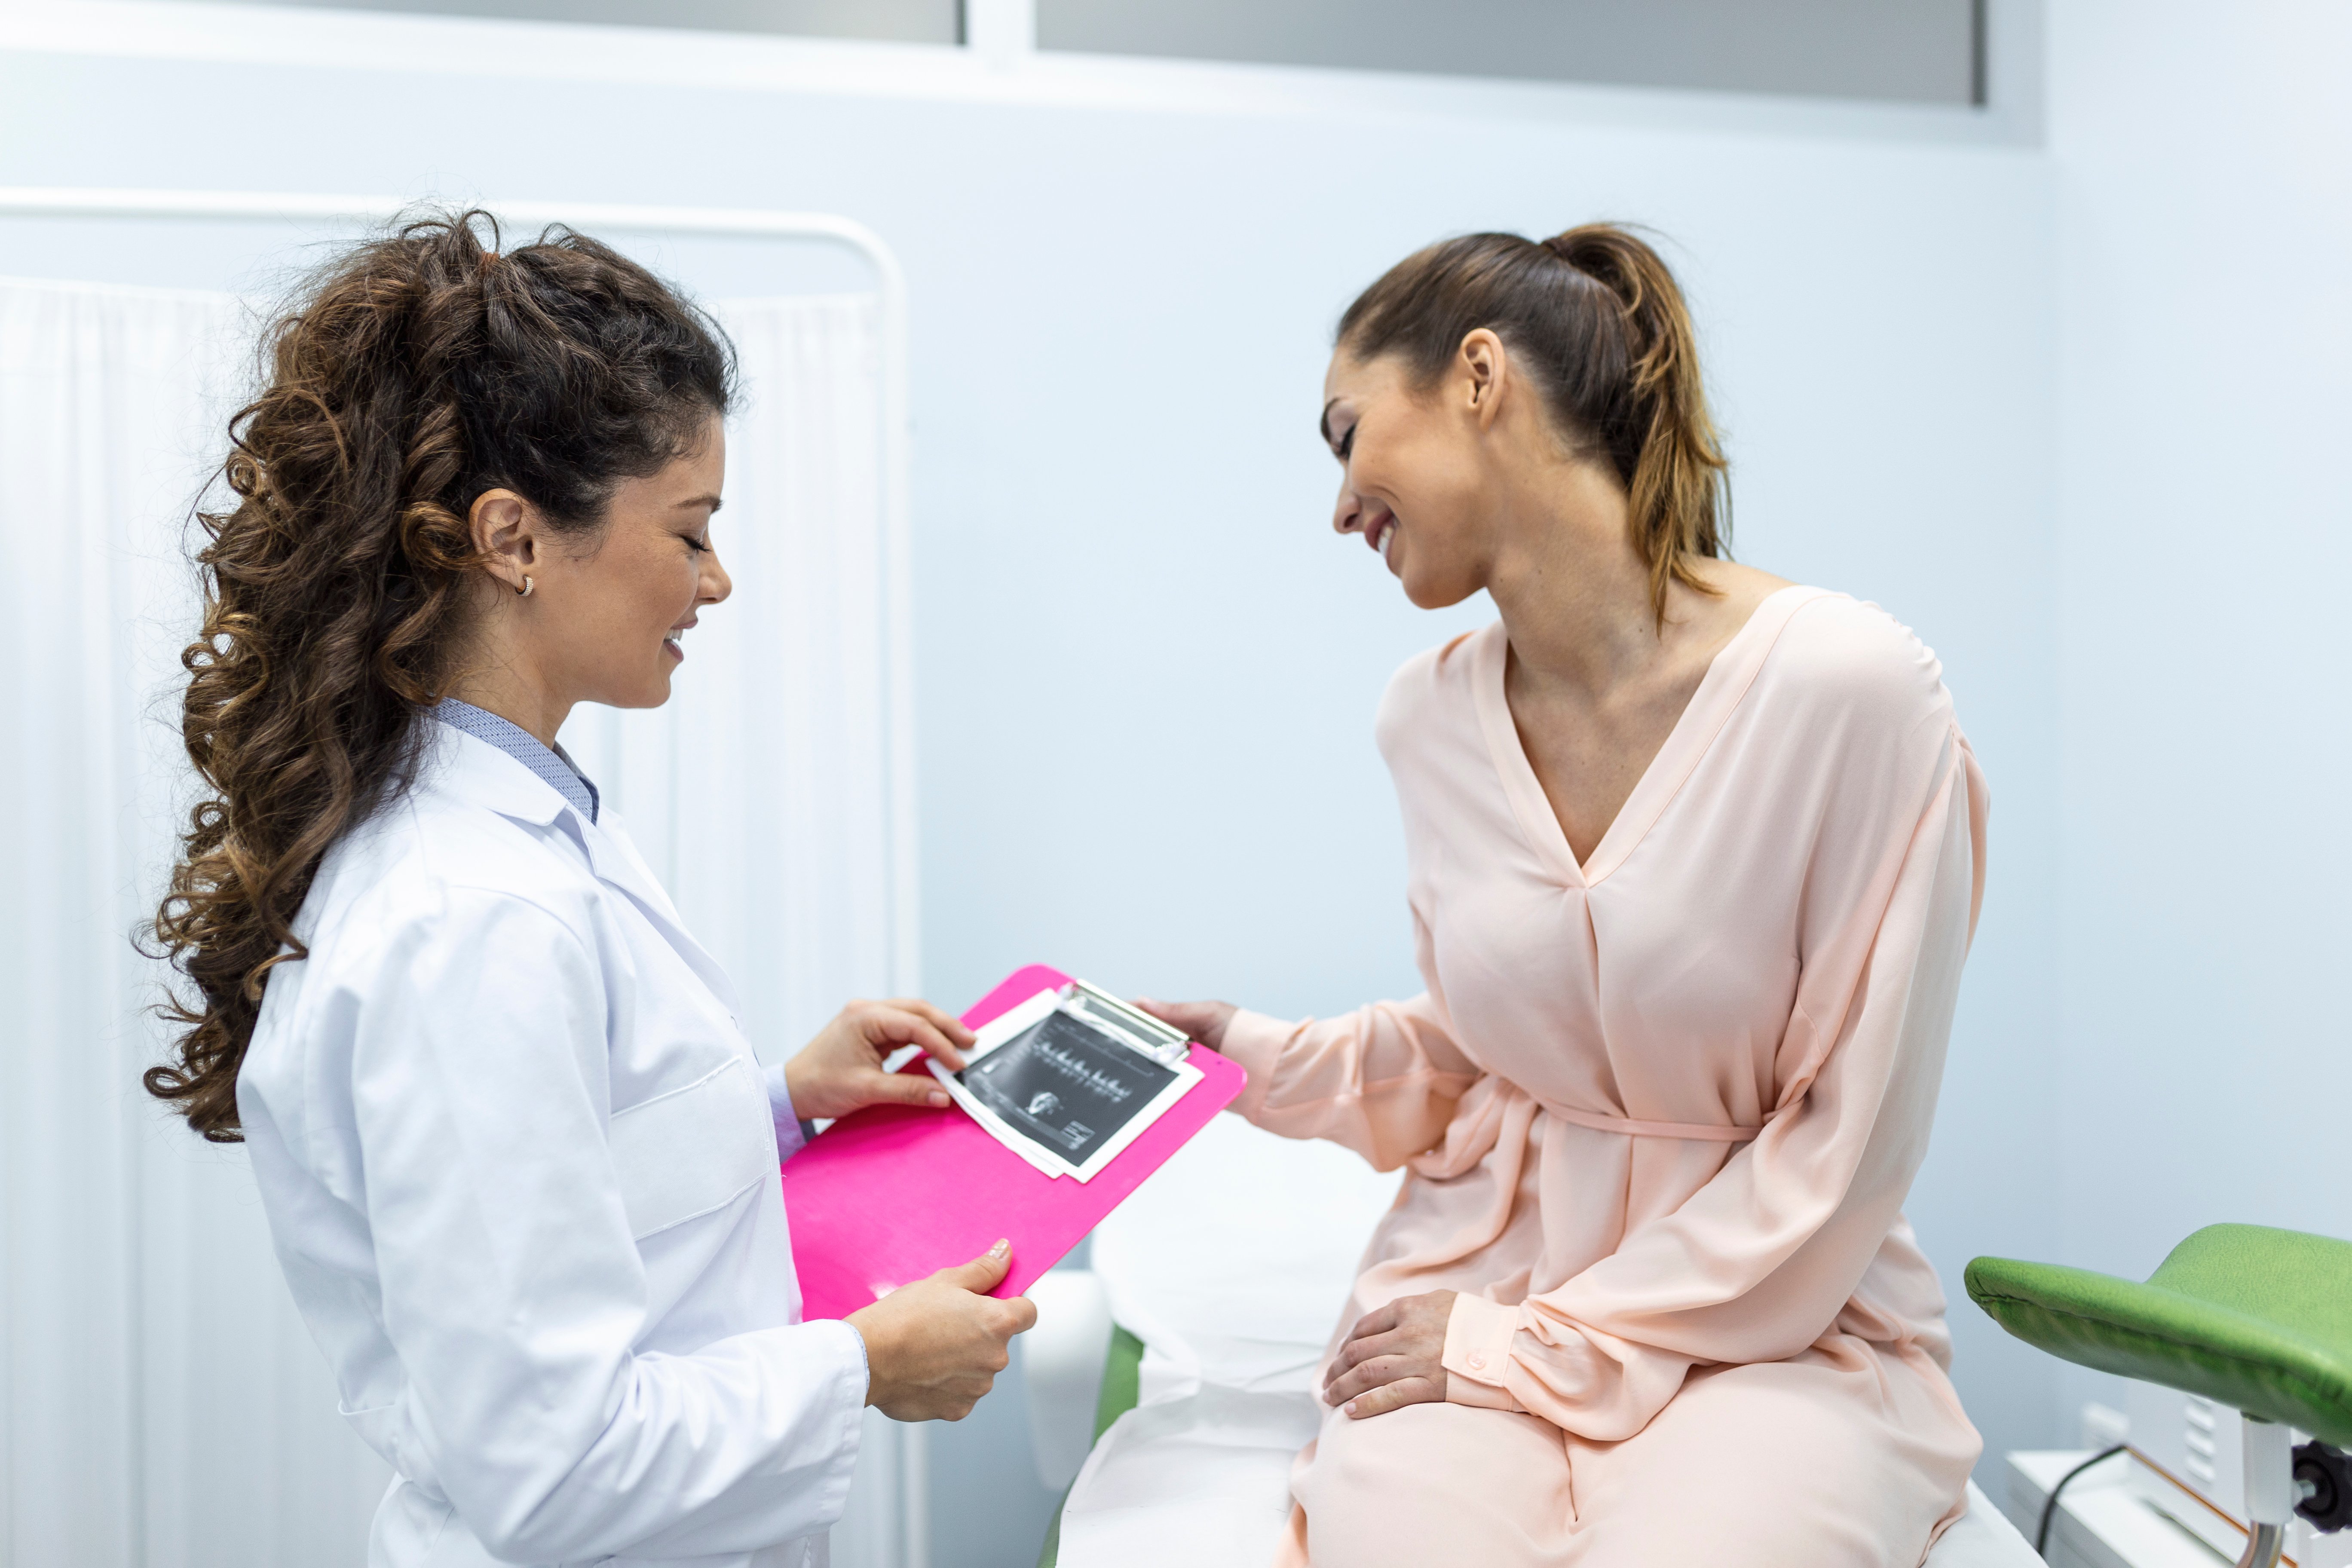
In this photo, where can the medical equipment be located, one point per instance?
(1070, 1078)
(2249, 1318)
(895, 1193)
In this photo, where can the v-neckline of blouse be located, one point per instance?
(1728, 676)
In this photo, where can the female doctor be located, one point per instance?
(516, 1156)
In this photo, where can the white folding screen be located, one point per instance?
(160, 1403)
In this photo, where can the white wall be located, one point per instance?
(2205, 215)
(1121, 318)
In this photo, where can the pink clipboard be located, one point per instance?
(894, 1192)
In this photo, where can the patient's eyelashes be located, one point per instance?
(1341, 441)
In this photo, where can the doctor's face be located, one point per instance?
(630, 597)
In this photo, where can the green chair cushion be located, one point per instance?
(1122, 1385)
(2257, 1319)
(1122, 1382)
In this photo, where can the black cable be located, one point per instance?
(2050, 1508)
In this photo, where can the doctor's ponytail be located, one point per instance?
(413, 374)
(1597, 318)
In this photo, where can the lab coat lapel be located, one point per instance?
(614, 858)
(482, 774)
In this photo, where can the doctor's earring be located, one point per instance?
(524, 592)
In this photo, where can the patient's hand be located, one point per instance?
(840, 1069)
(1201, 1021)
(1393, 1357)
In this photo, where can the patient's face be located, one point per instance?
(1410, 477)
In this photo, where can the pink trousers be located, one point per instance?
(1850, 1454)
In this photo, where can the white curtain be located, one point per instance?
(161, 1405)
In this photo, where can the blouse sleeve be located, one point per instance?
(1760, 1261)
(1382, 1080)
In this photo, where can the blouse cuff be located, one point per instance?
(791, 1134)
(1478, 1350)
(1256, 1041)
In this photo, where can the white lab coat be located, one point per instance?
(520, 1165)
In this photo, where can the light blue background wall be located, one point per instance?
(2205, 215)
(1121, 320)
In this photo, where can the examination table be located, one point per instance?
(1173, 1378)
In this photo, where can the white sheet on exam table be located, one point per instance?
(1233, 1264)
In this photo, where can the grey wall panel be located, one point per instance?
(1914, 51)
(899, 21)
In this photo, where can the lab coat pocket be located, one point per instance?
(694, 1149)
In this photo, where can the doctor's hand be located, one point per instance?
(934, 1347)
(1393, 1357)
(840, 1069)
(1201, 1021)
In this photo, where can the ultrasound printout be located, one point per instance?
(1066, 1087)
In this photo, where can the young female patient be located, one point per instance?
(1694, 859)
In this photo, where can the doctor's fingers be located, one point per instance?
(885, 1025)
(947, 1023)
(957, 1398)
(1021, 1314)
(951, 1400)
(875, 1087)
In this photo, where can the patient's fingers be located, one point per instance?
(1411, 1378)
(1396, 1396)
(1202, 1021)
(1366, 1376)
(1378, 1321)
(1364, 1348)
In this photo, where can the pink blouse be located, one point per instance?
(1661, 1110)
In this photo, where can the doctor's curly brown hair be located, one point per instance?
(411, 374)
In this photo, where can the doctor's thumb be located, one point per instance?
(983, 1273)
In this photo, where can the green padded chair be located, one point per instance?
(2257, 1319)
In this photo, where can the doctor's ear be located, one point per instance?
(505, 528)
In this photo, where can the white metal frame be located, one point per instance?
(29, 201)
(905, 956)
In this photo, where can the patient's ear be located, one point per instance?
(1483, 375)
